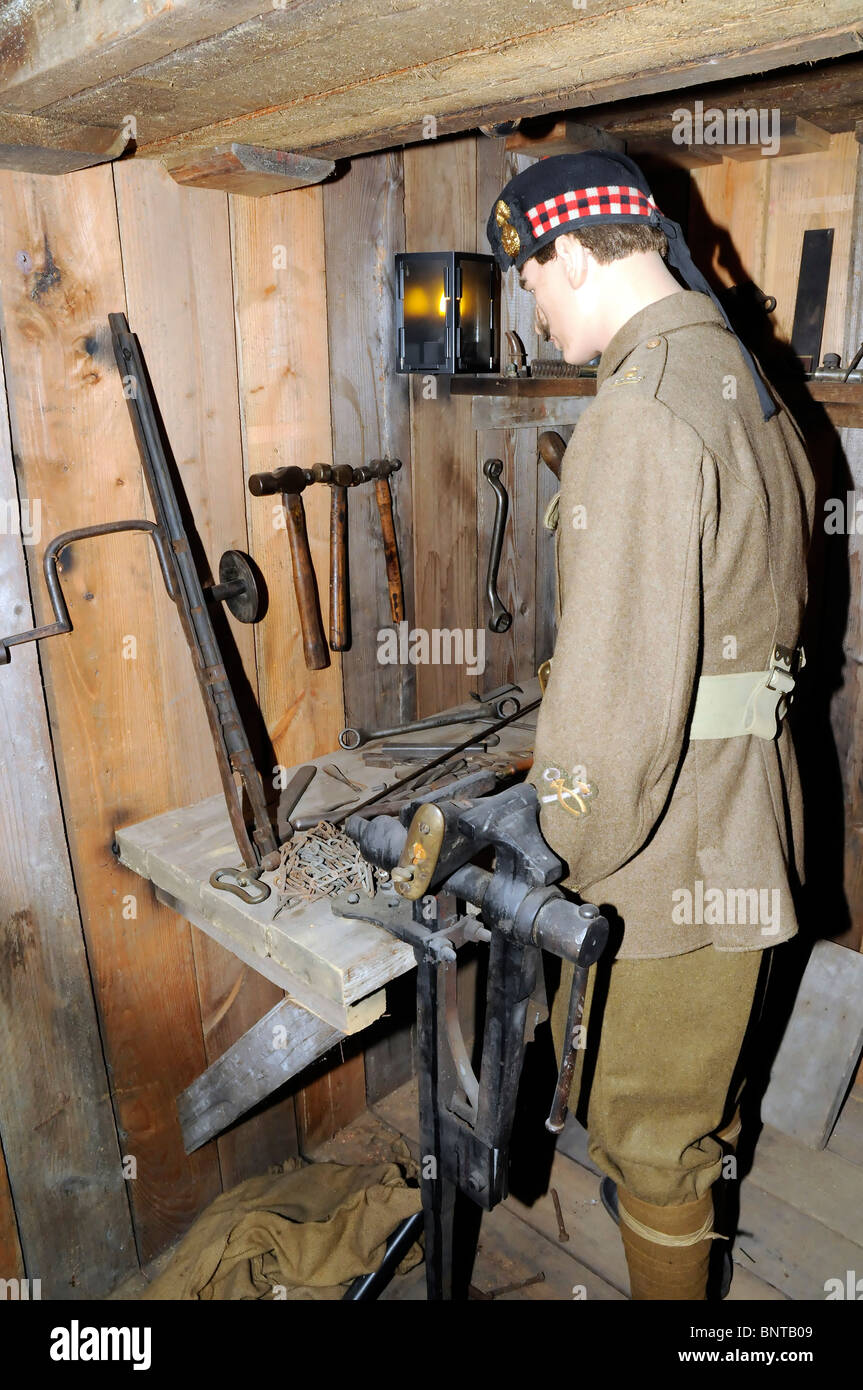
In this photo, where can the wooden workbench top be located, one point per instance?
(333, 966)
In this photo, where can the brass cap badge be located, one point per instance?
(509, 237)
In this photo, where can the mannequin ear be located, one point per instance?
(573, 254)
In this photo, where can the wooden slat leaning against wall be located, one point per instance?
(75, 450)
(177, 269)
(281, 314)
(440, 215)
(56, 1125)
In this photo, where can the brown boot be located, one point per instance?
(664, 1261)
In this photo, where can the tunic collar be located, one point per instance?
(679, 310)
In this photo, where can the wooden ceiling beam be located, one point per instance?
(565, 137)
(50, 51)
(248, 169)
(828, 95)
(34, 145)
(309, 78)
(794, 136)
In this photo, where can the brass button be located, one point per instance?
(632, 374)
(652, 343)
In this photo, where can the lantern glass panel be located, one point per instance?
(426, 300)
(476, 342)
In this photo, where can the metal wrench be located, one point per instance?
(491, 709)
(501, 618)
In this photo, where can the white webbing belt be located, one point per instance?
(745, 702)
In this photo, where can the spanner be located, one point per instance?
(501, 618)
(483, 709)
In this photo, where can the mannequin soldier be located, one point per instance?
(664, 767)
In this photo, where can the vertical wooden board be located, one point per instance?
(61, 276)
(728, 224)
(56, 1123)
(281, 317)
(509, 655)
(177, 268)
(440, 215)
(364, 228)
(331, 1100)
(11, 1262)
(811, 191)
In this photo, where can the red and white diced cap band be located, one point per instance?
(588, 202)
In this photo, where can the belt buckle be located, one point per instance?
(780, 677)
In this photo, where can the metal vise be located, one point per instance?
(466, 1121)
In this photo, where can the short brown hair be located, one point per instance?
(610, 241)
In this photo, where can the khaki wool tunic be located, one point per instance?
(682, 535)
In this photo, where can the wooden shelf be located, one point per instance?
(523, 386)
(843, 401)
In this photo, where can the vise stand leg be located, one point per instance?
(438, 1191)
(465, 1121)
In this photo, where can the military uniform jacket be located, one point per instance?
(682, 533)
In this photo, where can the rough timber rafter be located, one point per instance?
(323, 78)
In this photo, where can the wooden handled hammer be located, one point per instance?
(381, 470)
(342, 477)
(291, 482)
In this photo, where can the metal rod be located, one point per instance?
(368, 1286)
(62, 622)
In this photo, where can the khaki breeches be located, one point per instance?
(660, 1066)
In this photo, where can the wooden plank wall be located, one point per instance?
(55, 1113)
(129, 739)
(281, 315)
(450, 187)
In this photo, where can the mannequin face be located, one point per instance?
(564, 289)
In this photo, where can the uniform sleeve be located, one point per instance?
(616, 706)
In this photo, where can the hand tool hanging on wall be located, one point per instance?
(340, 479)
(236, 588)
(501, 618)
(291, 482)
(382, 470)
(466, 1120)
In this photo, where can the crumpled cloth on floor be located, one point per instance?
(305, 1232)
